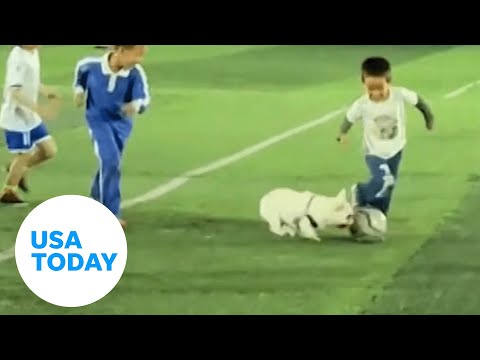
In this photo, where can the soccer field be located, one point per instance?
(197, 245)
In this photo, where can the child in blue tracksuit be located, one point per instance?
(115, 88)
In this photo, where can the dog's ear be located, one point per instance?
(342, 196)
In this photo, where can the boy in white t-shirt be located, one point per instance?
(21, 118)
(382, 112)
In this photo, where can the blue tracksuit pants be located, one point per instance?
(109, 139)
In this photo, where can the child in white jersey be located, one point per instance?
(21, 115)
(382, 112)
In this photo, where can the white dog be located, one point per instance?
(304, 213)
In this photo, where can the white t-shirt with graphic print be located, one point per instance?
(384, 123)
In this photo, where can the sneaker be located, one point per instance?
(11, 197)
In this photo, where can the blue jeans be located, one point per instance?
(377, 192)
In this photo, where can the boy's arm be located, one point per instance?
(353, 114)
(80, 82)
(46, 111)
(344, 129)
(15, 79)
(426, 111)
(416, 100)
(17, 94)
(48, 91)
(140, 94)
(346, 126)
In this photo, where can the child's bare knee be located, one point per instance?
(49, 149)
(51, 152)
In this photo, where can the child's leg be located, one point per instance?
(18, 167)
(109, 142)
(95, 187)
(107, 188)
(46, 150)
(19, 144)
(121, 132)
(378, 187)
(394, 165)
(44, 147)
(366, 191)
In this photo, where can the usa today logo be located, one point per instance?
(71, 251)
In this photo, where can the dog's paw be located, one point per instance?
(291, 232)
(279, 232)
(313, 237)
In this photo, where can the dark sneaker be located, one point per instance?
(11, 197)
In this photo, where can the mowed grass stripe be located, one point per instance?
(440, 276)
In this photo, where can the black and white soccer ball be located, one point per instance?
(371, 224)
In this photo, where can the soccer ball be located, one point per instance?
(371, 224)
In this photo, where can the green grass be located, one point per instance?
(202, 249)
(443, 275)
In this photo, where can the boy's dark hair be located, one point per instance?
(376, 66)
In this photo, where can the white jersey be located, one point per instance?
(384, 123)
(23, 71)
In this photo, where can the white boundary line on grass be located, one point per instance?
(184, 178)
(461, 90)
(181, 180)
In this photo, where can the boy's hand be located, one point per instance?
(51, 92)
(342, 139)
(429, 125)
(79, 99)
(50, 110)
(129, 109)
